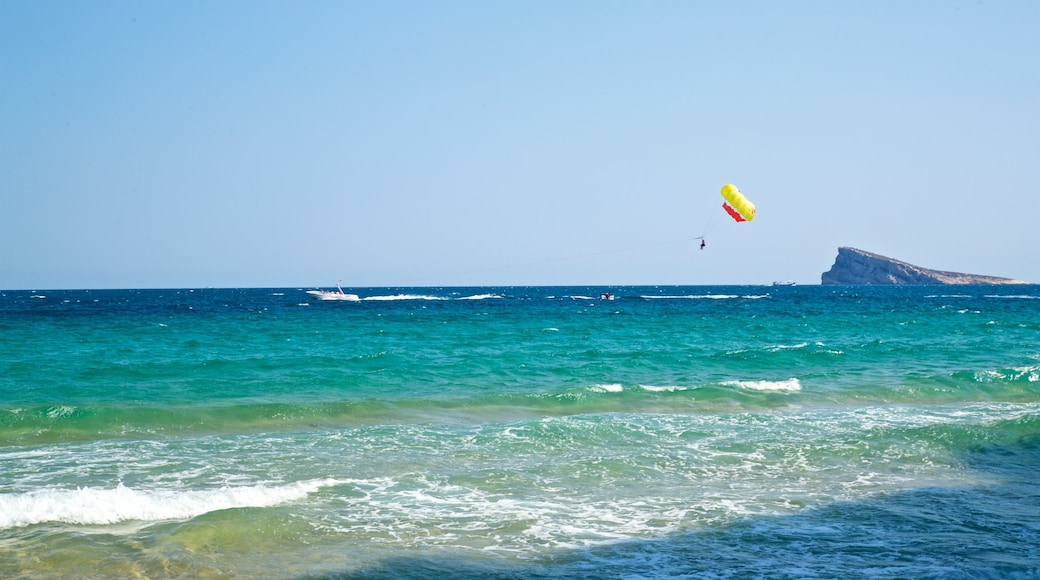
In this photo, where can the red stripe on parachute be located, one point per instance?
(733, 213)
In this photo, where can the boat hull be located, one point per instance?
(333, 296)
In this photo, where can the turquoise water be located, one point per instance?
(708, 432)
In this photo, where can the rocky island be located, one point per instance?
(854, 266)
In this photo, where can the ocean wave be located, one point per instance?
(395, 297)
(61, 412)
(707, 297)
(619, 388)
(664, 389)
(1029, 374)
(792, 385)
(813, 349)
(480, 297)
(720, 390)
(99, 506)
(778, 347)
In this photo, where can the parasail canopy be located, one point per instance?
(736, 205)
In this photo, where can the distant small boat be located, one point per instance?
(784, 283)
(606, 296)
(339, 294)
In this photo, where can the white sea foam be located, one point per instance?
(663, 389)
(791, 385)
(476, 515)
(99, 506)
(403, 297)
(782, 347)
(708, 297)
(693, 297)
(777, 347)
(479, 297)
(612, 388)
(1029, 373)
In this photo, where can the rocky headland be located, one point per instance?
(854, 266)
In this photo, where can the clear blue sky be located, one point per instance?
(245, 143)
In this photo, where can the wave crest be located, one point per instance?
(98, 506)
(792, 385)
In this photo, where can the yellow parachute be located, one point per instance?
(736, 205)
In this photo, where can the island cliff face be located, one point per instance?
(854, 266)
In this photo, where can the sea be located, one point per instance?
(521, 432)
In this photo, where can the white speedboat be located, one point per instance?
(339, 294)
(784, 283)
